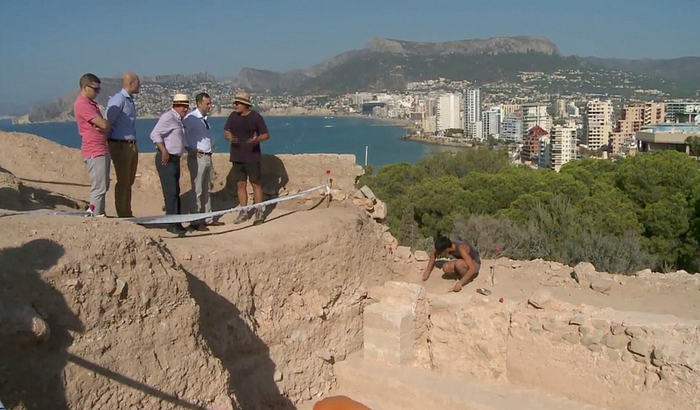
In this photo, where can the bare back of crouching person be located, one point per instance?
(466, 265)
(339, 403)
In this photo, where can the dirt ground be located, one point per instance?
(289, 291)
(670, 294)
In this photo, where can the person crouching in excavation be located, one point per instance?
(339, 403)
(465, 266)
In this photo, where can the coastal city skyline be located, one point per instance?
(51, 52)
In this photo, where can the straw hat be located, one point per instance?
(243, 98)
(181, 99)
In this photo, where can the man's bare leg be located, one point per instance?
(258, 197)
(242, 201)
(463, 271)
(257, 192)
(242, 189)
(450, 270)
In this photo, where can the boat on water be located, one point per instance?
(328, 126)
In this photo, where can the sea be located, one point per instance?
(288, 135)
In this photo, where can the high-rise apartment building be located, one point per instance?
(448, 112)
(598, 123)
(654, 113)
(509, 109)
(627, 126)
(535, 114)
(561, 108)
(492, 122)
(563, 150)
(682, 111)
(572, 110)
(512, 128)
(472, 111)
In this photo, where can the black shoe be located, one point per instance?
(177, 229)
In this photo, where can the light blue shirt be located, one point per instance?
(121, 114)
(197, 131)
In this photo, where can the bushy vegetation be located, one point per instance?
(639, 212)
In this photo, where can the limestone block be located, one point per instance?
(386, 318)
(388, 333)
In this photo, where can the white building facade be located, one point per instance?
(448, 112)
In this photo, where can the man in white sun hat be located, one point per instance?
(169, 137)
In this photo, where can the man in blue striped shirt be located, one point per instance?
(121, 114)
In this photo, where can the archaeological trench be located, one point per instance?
(309, 304)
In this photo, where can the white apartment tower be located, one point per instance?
(563, 146)
(448, 110)
(472, 111)
(492, 122)
(598, 123)
(535, 114)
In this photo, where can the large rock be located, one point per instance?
(583, 273)
(602, 285)
(389, 240)
(367, 192)
(362, 203)
(402, 253)
(421, 256)
(540, 298)
(379, 212)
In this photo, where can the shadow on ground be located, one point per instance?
(233, 341)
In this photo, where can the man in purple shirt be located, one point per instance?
(169, 137)
(245, 129)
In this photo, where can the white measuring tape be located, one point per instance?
(174, 219)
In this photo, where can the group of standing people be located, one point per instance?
(112, 139)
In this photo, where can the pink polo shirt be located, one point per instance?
(94, 140)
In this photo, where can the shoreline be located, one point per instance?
(403, 123)
(442, 141)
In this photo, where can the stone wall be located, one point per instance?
(286, 173)
(599, 356)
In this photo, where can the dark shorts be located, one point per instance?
(246, 171)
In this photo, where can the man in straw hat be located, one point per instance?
(169, 137)
(245, 129)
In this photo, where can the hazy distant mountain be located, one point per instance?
(390, 64)
(61, 109)
(684, 70)
(386, 63)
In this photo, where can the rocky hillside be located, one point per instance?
(387, 64)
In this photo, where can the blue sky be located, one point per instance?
(46, 45)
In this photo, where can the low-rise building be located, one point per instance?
(666, 137)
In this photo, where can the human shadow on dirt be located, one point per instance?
(273, 177)
(29, 198)
(32, 357)
(241, 351)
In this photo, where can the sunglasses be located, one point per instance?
(97, 89)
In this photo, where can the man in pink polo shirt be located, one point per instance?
(93, 130)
